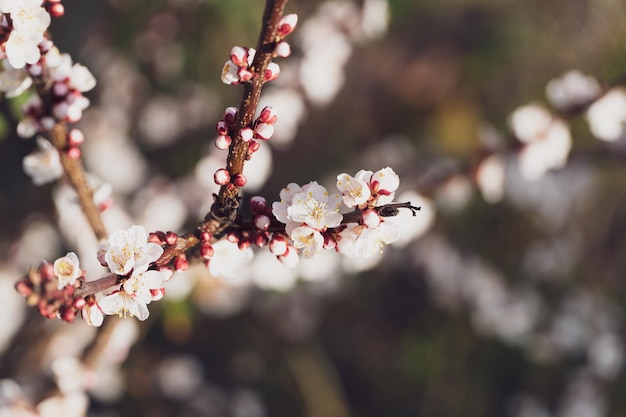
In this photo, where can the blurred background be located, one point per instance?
(503, 297)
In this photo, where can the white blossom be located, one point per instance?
(357, 240)
(44, 165)
(607, 116)
(140, 283)
(315, 207)
(128, 250)
(355, 192)
(308, 240)
(13, 82)
(67, 269)
(124, 305)
(92, 314)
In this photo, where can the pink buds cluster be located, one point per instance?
(179, 263)
(238, 69)
(40, 287)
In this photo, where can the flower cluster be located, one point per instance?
(25, 22)
(238, 69)
(313, 220)
(128, 254)
(261, 129)
(69, 81)
(52, 287)
(547, 140)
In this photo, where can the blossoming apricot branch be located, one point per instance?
(305, 221)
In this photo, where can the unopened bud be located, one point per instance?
(230, 115)
(223, 142)
(287, 24)
(206, 251)
(272, 71)
(171, 238)
(282, 49)
(263, 131)
(278, 245)
(268, 115)
(221, 176)
(206, 236)
(244, 75)
(181, 263)
(258, 204)
(246, 134)
(253, 146)
(262, 222)
(239, 56)
(240, 180)
(75, 137)
(221, 127)
(73, 152)
(290, 259)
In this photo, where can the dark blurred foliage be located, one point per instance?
(380, 344)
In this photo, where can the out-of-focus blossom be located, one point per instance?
(229, 262)
(547, 141)
(357, 240)
(13, 82)
(73, 404)
(572, 89)
(412, 227)
(44, 165)
(607, 116)
(490, 178)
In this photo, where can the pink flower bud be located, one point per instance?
(230, 115)
(244, 75)
(206, 236)
(206, 251)
(240, 180)
(239, 56)
(75, 137)
(233, 237)
(272, 71)
(290, 258)
(370, 219)
(246, 134)
(35, 70)
(223, 142)
(47, 123)
(243, 244)
(264, 131)
(260, 239)
(258, 204)
(262, 222)
(278, 245)
(171, 238)
(60, 110)
(287, 24)
(221, 176)
(156, 237)
(221, 127)
(253, 146)
(56, 10)
(73, 152)
(60, 89)
(282, 49)
(74, 113)
(268, 115)
(181, 263)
